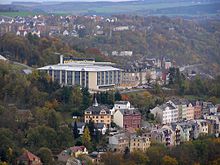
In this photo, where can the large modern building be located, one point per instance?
(84, 72)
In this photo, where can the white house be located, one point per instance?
(166, 113)
(65, 33)
(3, 58)
(121, 105)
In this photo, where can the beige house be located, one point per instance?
(141, 143)
(119, 142)
(98, 114)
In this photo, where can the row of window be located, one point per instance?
(63, 77)
(108, 77)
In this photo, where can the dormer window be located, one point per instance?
(102, 112)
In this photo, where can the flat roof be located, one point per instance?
(79, 67)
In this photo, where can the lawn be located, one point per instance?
(19, 13)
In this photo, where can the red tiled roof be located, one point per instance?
(29, 156)
(77, 148)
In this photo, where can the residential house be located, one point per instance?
(214, 123)
(119, 142)
(81, 126)
(22, 33)
(98, 114)
(127, 118)
(166, 113)
(139, 143)
(197, 110)
(28, 158)
(72, 152)
(165, 135)
(184, 129)
(203, 126)
(121, 105)
(101, 128)
(208, 107)
(3, 58)
(65, 33)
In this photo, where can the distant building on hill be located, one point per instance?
(96, 76)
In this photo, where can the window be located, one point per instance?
(77, 78)
(63, 76)
(103, 78)
(57, 75)
(69, 77)
(98, 78)
(106, 77)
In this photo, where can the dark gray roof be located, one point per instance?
(99, 125)
(96, 109)
(129, 111)
(170, 106)
(79, 124)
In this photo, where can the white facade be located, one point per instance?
(166, 113)
(118, 118)
(122, 105)
(90, 74)
(170, 115)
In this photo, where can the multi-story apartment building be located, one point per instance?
(197, 110)
(127, 118)
(166, 113)
(84, 72)
(119, 142)
(139, 143)
(98, 114)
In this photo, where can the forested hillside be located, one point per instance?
(184, 41)
(35, 51)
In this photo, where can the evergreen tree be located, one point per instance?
(117, 96)
(86, 100)
(91, 127)
(75, 131)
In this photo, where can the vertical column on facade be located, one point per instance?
(60, 76)
(80, 79)
(73, 78)
(65, 77)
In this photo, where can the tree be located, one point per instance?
(167, 160)
(91, 127)
(75, 131)
(54, 119)
(139, 158)
(86, 138)
(64, 137)
(41, 136)
(111, 158)
(126, 153)
(86, 100)
(45, 155)
(117, 96)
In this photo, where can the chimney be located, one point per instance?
(61, 59)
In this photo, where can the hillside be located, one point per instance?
(186, 41)
(146, 7)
